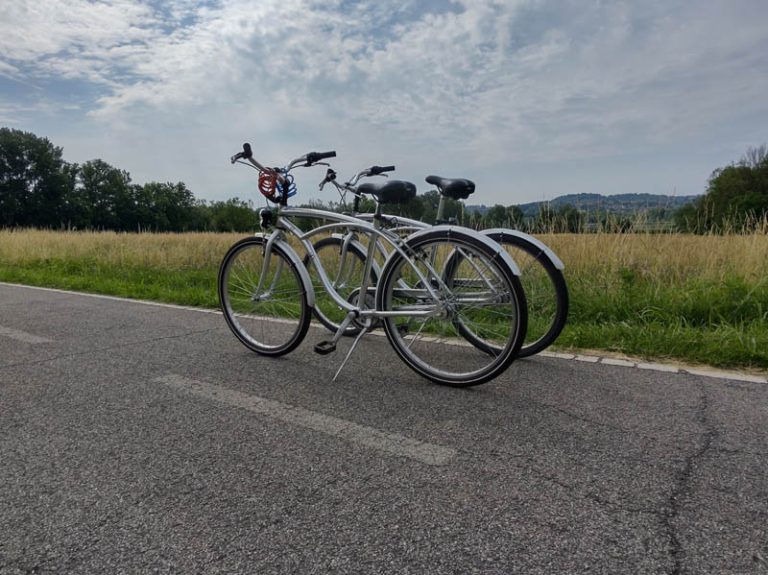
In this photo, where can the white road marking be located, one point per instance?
(346, 430)
(617, 362)
(726, 375)
(661, 367)
(658, 367)
(19, 335)
(114, 298)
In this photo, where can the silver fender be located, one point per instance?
(538, 243)
(297, 263)
(469, 233)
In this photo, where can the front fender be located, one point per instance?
(297, 262)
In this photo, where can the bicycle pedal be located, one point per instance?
(325, 347)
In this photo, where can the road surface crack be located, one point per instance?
(682, 487)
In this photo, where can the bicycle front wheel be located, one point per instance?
(263, 297)
(427, 332)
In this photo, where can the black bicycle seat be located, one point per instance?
(456, 188)
(392, 192)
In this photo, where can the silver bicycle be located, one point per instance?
(541, 275)
(434, 286)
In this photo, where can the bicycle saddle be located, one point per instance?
(457, 188)
(392, 192)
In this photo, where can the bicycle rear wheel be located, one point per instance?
(546, 292)
(263, 297)
(427, 332)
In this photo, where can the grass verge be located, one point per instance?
(700, 299)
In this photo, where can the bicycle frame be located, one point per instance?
(285, 226)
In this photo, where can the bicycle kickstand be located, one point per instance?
(328, 346)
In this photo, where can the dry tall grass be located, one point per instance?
(665, 258)
(162, 251)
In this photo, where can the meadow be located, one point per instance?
(664, 296)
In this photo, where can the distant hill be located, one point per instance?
(621, 204)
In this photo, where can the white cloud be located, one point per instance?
(471, 84)
(32, 30)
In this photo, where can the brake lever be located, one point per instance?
(330, 175)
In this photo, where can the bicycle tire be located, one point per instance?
(436, 349)
(346, 275)
(546, 291)
(269, 315)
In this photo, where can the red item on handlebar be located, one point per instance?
(268, 184)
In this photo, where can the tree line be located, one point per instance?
(38, 188)
(736, 198)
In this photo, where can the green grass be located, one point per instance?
(191, 287)
(682, 298)
(721, 322)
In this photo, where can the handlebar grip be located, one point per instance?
(376, 170)
(313, 157)
(246, 153)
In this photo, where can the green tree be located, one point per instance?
(429, 202)
(570, 219)
(103, 197)
(496, 216)
(736, 197)
(34, 180)
(515, 217)
(172, 206)
(234, 215)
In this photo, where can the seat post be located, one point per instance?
(440, 208)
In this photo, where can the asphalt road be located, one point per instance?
(145, 439)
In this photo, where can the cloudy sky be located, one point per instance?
(530, 98)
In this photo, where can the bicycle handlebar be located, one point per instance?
(247, 153)
(307, 159)
(314, 157)
(330, 176)
(376, 170)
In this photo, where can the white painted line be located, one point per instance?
(556, 355)
(725, 375)
(346, 430)
(659, 367)
(616, 361)
(22, 336)
(115, 298)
